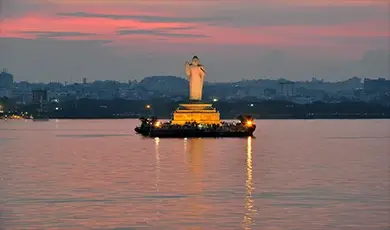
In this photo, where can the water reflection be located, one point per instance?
(195, 152)
(195, 159)
(113, 181)
(185, 145)
(157, 151)
(249, 203)
(185, 149)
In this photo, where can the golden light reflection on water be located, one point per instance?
(185, 148)
(249, 203)
(195, 156)
(157, 148)
(157, 151)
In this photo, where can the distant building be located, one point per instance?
(268, 92)
(84, 80)
(22, 96)
(5, 93)
(374, 86)
(38, 95)
(6, 80)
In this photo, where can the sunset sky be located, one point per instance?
(66, 40)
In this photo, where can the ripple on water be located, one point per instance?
(322, 174)
(91, 135)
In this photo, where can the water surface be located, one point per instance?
(98, 174)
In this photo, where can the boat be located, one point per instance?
(152, 127)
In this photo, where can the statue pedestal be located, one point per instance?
(196, 112)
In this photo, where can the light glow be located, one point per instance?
(249, 123)
(157, 124)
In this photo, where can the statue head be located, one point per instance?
(195, 60)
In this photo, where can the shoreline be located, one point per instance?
(232, 118)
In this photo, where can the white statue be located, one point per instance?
(195, 73)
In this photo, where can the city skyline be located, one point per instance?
(114, 40)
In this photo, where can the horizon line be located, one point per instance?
(207, 82)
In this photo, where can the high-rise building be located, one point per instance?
(6, 80)
(38, 95)
(373, 86)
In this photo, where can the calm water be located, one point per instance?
(314, 174)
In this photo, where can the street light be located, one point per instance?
(149, 107)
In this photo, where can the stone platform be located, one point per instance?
(196, 112)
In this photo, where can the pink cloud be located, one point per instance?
(186, 31)
(106, 28)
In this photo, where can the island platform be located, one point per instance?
(196, 111)
(196, 120)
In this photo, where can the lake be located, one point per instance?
(98, 174)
